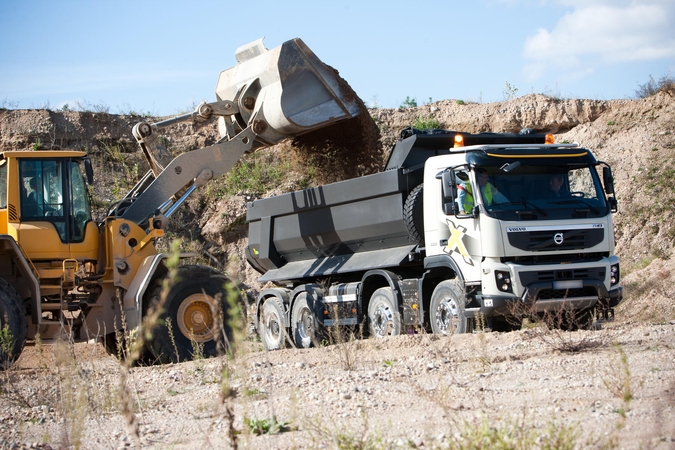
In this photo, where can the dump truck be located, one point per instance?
(62, 273)
(416, 248)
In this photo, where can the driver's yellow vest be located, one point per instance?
(468, 201)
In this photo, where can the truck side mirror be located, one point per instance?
(613, 205)
(608, 180)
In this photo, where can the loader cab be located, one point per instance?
(46, 204)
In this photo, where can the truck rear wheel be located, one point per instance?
(197, 308)
(13, 325)
(384, 318)
(273, 332)
(446, 309)
(304, 324)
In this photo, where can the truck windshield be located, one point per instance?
(537, 193)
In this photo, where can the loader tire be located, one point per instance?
(114, 344)
(13, 325)
(413, 213)
(193, 317)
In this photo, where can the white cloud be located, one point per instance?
(602, 32)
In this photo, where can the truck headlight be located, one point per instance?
(614, 275)
(503, 280)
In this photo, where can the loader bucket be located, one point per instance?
(284, 92)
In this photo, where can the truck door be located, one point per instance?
(458, 232)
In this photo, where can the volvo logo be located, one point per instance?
(558, 238)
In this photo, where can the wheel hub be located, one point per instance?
(196, 317)
(446, 315)
(272, 326)
(306, 325)
(383, 320)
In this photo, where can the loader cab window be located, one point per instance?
(54, 191)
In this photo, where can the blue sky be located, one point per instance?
(164, 57)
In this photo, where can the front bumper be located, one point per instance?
(545, 296)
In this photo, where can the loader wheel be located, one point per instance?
(113, 346)
(384, 318)
(193, 316)
(446, 309)
(413, 212)
(273, 328)
(304, 323)
(13, 325)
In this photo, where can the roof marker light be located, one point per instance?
(459, 140)
(549, 139)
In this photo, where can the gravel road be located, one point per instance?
(422, 391)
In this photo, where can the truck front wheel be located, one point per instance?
(194, 313)
(13, 325)
(384, 318)
(446, 309)
(273, 332)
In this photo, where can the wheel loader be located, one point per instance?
(62, 272)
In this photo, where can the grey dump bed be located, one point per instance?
(348, 226)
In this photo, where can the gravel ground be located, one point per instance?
(423, 391)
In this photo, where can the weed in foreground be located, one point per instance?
(172, 336)
(554, 327)
(346, 342)
(340, 437)
(265, 426)
(510, 433)
(6, 347)
(236, 323)
(618, 381)
(73, 398)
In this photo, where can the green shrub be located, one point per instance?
(652, 87)
(255, 174)
(426, 123)
(409, 102)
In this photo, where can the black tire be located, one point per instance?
(568, 320)
(304, 323)
(197, 307)
(585, 320)
(13, 325)
(272, 325)
(111, 345)
(384, 318)
(413, 212)
(446, 309)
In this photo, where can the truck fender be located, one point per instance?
(283, 295)
(443, 261)
(375, 279)
(28, 283)
(315, 298)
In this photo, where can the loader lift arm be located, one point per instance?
(269, 96)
